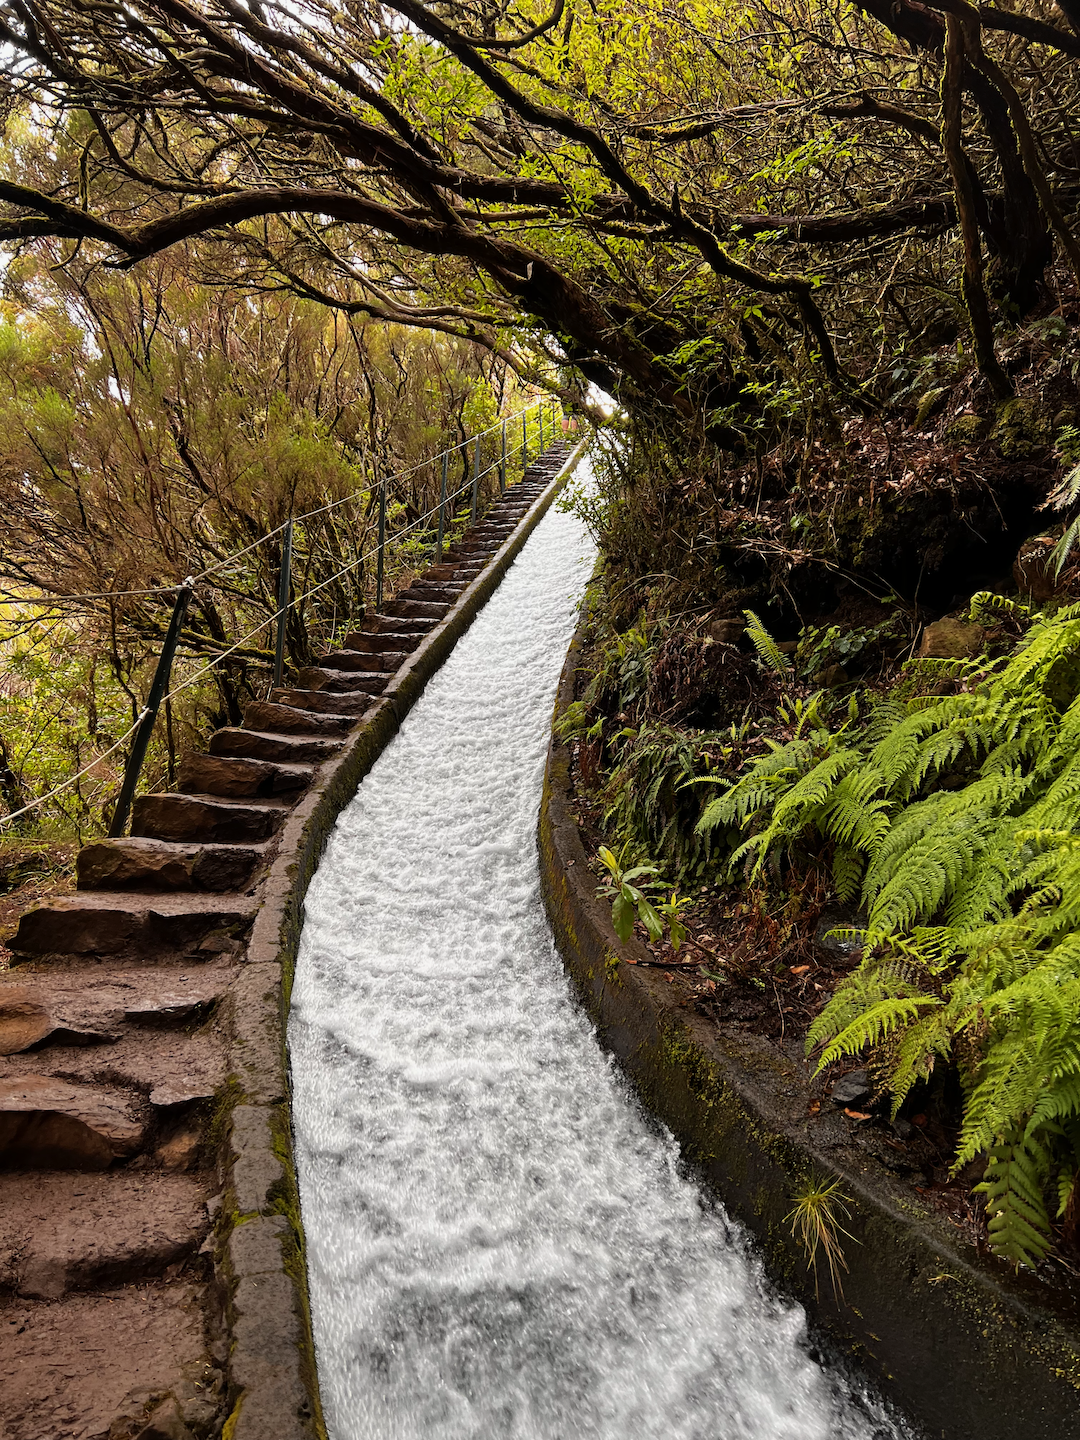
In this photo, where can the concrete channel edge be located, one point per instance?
(967, 1350)
(260, 1251)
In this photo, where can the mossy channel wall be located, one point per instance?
(260, 1254)
(966, 1348)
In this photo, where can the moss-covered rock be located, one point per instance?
(1023, 429)
(952, 639)
(966, 430)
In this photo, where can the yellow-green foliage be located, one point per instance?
(955, 820)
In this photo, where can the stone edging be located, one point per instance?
(968, 1350)
(260, 1256)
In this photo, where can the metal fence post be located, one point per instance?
(160, 684)
(284, 589)
(475, 482)
(524, 439)
(442, 506)
(502, 461)
(540, 407)
(382, 546)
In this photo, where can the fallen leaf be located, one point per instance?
(799, 969)
(856, 1114)
(669, 977)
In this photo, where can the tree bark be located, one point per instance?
(952, 100)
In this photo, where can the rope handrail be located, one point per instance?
(299, 599)
(185, 588)
(73, 779)
(47, 601)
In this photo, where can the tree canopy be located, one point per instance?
(681, 201)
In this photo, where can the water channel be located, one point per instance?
(501, 1246)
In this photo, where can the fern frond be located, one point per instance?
(772, 657)
(873, 1025)
(1018, 1223)
(847, 869)
(986, 607)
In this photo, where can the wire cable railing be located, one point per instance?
(162, 691)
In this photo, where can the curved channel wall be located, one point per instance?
(262, 1269)
(970, 1351)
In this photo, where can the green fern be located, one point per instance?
(955, 821)
(1017, 1219)
(988, 608)
(772, 657)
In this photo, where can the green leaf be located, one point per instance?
(640, 870)
(622, 917)
(651, 919)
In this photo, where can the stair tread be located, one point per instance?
(213, 866)
(244, 802)
(138, 902)
(70, 1230)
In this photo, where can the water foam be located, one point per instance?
(501, 1246)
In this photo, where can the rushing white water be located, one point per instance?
(500, 1243)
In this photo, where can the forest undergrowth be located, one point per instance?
(866, 802)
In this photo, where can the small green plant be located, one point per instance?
(820, 647)
(770, 654)
(574, 722)
(649, 803)
(671, 911)
(815, 1223)
(629, 901)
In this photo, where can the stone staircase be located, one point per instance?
(115, 1038)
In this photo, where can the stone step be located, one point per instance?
(449, 588)
(482, 556)
(173, 1070)
(386, 624)
(443, 572)
(51, 1124)
(265, 745)
(95, 1004)
(418, 609)
(140, 863)
(435, 590)
(276, 718)
(207, 817)
(326, 702)
(241, 778)
(392, 642)
(342, 682)
(30, 1018)
(101, 1363)
(65, 1232)
(359, 660)
(145, 928)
